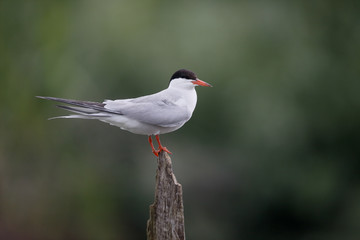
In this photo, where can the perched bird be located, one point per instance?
(154, 114)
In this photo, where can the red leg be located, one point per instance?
(161, 148)
(156, 152)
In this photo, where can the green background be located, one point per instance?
(271, 152)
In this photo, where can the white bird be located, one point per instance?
(154, 114)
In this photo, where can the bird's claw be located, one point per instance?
(165, 150)
(161, 148)
(156, 152)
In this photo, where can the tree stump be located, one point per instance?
(167, 212)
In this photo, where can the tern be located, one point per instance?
(155, 114)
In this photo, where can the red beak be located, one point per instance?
(201, 83)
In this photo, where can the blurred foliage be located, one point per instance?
(272, 151)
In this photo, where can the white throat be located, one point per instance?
(184, 93)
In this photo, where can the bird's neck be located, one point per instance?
(191, 99)
(185, 97)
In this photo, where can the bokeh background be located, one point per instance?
(271, 152)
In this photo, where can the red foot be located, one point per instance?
(161, 148)
(157, 152)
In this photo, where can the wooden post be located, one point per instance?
(167, 212)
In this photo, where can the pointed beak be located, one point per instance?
(201, 83)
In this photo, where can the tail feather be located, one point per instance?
(80, 110)
(71, 116)
(84, 108)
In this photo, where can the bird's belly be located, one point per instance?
(137, 127)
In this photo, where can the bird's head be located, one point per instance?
(185, 78)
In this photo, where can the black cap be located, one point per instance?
(183, 73)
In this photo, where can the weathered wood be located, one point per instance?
(167, 212)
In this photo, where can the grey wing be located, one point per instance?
(161, 113)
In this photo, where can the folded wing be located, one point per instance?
(151, 110)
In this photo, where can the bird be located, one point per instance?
(151, 115)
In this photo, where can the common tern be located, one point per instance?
(154, 114)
